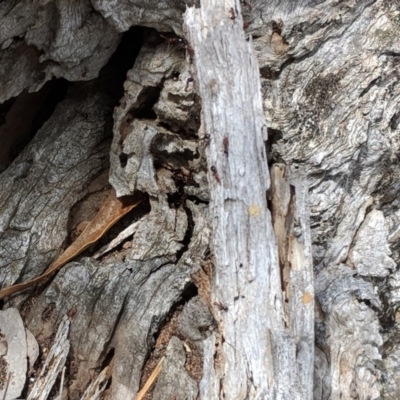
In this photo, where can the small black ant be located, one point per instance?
(181, 42)
(215, 174)
(85, 71)
(183, 175)
(221, 306)
(188, 80)
(190, 50)
(225, 142)
(174, 40)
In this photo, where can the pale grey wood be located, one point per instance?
(141, 141)
(209, 385)
(163, 15)
(367, 260)
(32, 349)
(195, 323)
(120, 303)
(257, 357)
(331, 100)
(97, 387)
(290, 216)
(112, 299)
(246, 281)
(350, 329)
(53, 364)
(71, 39)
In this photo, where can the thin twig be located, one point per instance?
(62, 382)
(151, 379)
(6, 388)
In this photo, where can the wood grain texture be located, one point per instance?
(71, 49)
(290, 217)
(51, 175)
(331, 102)
(246, 278)
(256, 359)
(113, 299)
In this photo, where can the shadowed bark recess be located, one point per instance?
(264, 138)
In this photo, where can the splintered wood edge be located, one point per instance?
(54, 364)
(151, 380)
(97, 386)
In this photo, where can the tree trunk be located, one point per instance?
(242, 160)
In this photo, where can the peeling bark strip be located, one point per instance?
(257, 358)
(290, 217)
(53, 364)
(112, 210)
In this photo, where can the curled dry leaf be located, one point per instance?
(112, 210)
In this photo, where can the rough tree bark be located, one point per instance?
(262, 262)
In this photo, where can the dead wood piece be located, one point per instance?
(154, 89)
(195, 323)
(209, 385)
(165, 17)
(331, 99)
(254, 341)
(373, 261)
(97, 387)
(332, 110)
(352, 332)
(129, 231)
(240, 281)
(32, 349)
(290, 217)
(53, 364)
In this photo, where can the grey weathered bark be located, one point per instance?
(330, 99)
(258, 357)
